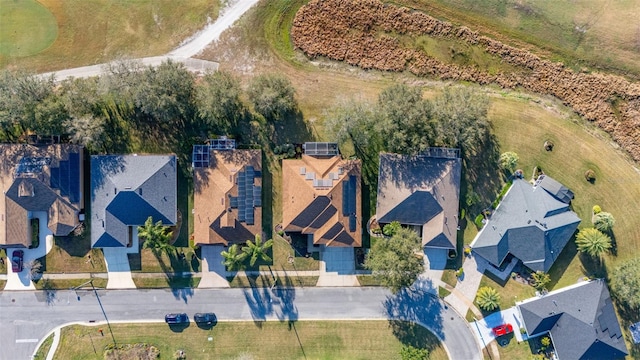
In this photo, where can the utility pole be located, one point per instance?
(101, 307)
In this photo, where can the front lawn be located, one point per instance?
(264, 281)
(346, 340)
(179, 282)
(73, 254)
(511, 292)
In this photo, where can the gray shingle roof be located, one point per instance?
(581, 321)
(530, 224)
(417, 209)
(126, 190)
(421, 190)
(554, 188)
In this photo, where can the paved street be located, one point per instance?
(26, 317)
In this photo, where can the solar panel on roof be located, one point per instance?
(200, 156)
(64, 178)
(320, 148)
(55, 178)
(352, 222)
(74, 180)
(352, 194)
(233, 202)
(345, 195)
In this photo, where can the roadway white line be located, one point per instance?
(18, 341)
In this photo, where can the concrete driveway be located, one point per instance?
(214, 274)
(22, 280)
(482, 328)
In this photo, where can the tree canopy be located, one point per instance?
(603, 221)
(272, 96)
(257, 250)
(488, 298)
(396, 262)
(509, 161)
(625, 283)
(219, 103)
(593, 242)
(157, 237)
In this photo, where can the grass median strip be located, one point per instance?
(260, 340)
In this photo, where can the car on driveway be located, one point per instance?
(205, 318)
(178, 318)
(16, 260)
(503, 329)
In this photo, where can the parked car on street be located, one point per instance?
(205, 318)
(179, 318)
(16, 260)
(503, 329)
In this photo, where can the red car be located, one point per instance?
(503, 329)
(16, 260)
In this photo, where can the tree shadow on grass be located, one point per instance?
(412, 334)
(593, 267)
(291, 128)
(562, 262)
(483, 172)
(178, 328)
(416, 305)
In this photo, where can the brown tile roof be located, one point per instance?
(33, 190)
(313, 191)
(217, 217)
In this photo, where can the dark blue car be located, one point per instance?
(180, 318)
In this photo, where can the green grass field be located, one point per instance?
(94, 31)
(27, 28)
(345, 340)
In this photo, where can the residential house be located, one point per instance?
(227, 205)
(125, 191)
(580, 320)
(41, 182)
(529, 224)
(321, 197)
(422, 191)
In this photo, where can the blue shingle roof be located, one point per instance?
(530, 224)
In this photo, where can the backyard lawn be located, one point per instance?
(369, 340)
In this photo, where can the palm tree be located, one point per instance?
(540, 280)
(603, 221)
(257, 250)
(157, 237)
(488, 298)
(593, 242)
(233, 258)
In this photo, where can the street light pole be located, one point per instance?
(104, 313)
(481, 337)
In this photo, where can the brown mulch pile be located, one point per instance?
(361, 33)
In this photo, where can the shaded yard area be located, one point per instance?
(370, 340)
(73, 254)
